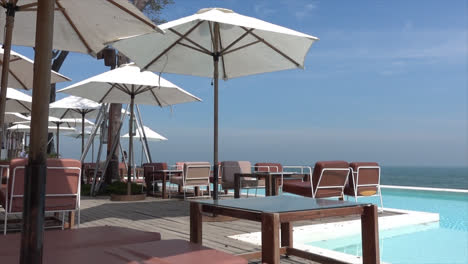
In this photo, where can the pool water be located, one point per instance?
(443, 242)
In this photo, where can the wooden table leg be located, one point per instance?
(370, 235)
(237, 186)
(71, 219)
(196, 226)
(196, 190)
(270, 238)
(287, 235)
(164, 189)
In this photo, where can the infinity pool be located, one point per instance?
(444, 242)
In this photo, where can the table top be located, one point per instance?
(279, 204)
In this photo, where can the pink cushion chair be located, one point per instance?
(328, 180)
(62, 187)
(365, 180)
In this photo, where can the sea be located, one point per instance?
(433, 177)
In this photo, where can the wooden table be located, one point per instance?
(271, 181)
(276, 214)
(166, 174)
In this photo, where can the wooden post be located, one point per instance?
(36, 170)
(370, 235)
(270, 238)
(130, 146)
(9, 23)
(237, 185)
(196, 225)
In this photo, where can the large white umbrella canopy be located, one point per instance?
(151, 135)
(17, 101)
(79, 26)
(127, 84)
(217, 42)
(11, 117)
(118, 86)
(20, 72)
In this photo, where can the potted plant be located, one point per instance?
(118, 192)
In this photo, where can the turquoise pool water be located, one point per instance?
(442, 243)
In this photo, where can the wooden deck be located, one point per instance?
(171, 219)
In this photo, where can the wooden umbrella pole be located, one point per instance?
(215, 110)
(130, 147)
(9, 23)
(36, 170)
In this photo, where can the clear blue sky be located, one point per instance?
(387, 82)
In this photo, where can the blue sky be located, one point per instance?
(387, 82)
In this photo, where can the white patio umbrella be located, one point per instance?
(151, 135)
(218, 41)
(17, 101)
(82, 26)
(63, 123)
(76, 107)
(11, 117)
(127, 84)
(50, 129)
(20, 72)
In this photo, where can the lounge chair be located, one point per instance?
(365, 180)
(302, 171)
(195, 174)
(152, 177)
(329, 179)
(62, 188)
(229, 168)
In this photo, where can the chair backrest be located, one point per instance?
(329, 178)
(268, 166)
(179, 165)
(365, 178)
(155, 166)
(229, 168)
(62, 185)
(197, 173)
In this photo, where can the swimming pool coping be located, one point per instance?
(414, 188)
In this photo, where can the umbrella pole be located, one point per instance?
(215, 110)
(130, 146)
(36, 170)
(9, 23)
(58, 139)
(82, 131)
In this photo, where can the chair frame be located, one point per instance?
(356, 184)
(314, 192)
(286, 167)
(248, 187)
(9, 200)
(184, 178)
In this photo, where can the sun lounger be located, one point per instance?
(62, 188)
(328, 180)
(365, 180)
(115, 245)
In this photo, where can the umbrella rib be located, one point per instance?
(132, 13)
(18, 79)
(123, 88)
(222, 57)
(27, 108)
(138, 89)
(108, 91)
(155, 97)
(191, 41)
(199, 50)
(20, 8)
(172, 45)
(241, 47)
(66, 111)
(211, 34)
(274, 48)
(235, 41)
(73, 26)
